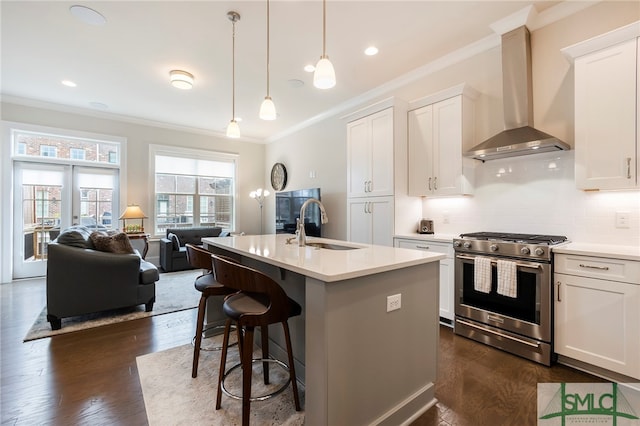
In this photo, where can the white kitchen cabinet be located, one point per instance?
(447, 290)
(439, 127)
(597, 312)
(370, 155)
(371, 220)
(607, 110)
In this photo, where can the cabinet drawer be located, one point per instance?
(444, 248)
(627, 271)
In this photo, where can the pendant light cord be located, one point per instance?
(324, 28)
(268, 32)
(233, 71)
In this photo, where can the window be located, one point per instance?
(21, 148)
(77, 154)
(48, 151)
(193, 188)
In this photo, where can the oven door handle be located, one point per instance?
(495, 261)
(506, 336)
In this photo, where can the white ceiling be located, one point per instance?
(125, 63)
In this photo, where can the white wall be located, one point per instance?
(532, 198)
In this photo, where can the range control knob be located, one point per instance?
(467, 245)
(539, 251)
(456, 243)
(493, 247)
(525, 250)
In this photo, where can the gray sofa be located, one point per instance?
(173, 254)
(83, 280)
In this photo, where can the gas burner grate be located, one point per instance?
(516, 238)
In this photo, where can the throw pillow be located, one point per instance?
(118, 243)
(77, 236)
(175, 241)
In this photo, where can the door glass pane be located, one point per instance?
(41, 219)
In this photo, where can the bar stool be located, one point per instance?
(260, 301)
(207, 285)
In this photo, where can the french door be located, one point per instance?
(51, 197)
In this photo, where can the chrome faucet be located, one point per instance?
(302, 236)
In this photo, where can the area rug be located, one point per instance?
(172, 397)
(174, 292)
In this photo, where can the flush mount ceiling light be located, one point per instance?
(68, 83)
(371, 50)
(233, 130)
(324, 76)
(181, 79)
(87, 15)
(268, 108)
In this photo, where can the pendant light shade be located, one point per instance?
(324, 76)
(268, 108)
(233, 130)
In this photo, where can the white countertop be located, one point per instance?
(600, 250)
(323, 264)
(445, 238)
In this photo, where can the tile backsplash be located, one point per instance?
(537, 194)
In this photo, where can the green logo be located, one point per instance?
(588, 404)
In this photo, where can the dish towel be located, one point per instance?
(507, 278)
(482, 274)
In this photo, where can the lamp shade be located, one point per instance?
(268, 109)
(181, 79)
(233, 130)
(133, 212)
(324, 76)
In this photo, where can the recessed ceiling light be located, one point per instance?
(69, 83)
(86, 15)
(371, 50)
(309, 68)
(295, 83)
(181, 79)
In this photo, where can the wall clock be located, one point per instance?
(278, 176)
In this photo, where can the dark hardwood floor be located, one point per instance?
(90, 377)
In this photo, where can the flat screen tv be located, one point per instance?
(288, 205)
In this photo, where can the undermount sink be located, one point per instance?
(330, 246)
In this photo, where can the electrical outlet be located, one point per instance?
(622, 219)
(394, 302)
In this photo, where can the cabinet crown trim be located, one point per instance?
(373, 108)
(463, 89)
(602, 41)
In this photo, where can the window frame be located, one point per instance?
(190, 153)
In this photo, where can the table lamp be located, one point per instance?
(133, 211)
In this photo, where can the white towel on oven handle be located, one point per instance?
(482, 274)
(507, 278)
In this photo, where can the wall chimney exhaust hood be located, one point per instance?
(519, 138)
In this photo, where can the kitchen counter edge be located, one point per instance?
(600, 250)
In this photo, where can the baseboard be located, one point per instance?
(408, 410)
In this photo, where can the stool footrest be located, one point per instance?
(261, 397)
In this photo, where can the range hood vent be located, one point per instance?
(519, 138)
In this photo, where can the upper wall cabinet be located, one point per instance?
(438, 128)
(607, 110)
(370, 155)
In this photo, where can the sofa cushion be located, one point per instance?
(118, 243)
(148, 273)
(77, 236)
(175, 241)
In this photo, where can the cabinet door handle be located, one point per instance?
(370, 186)
(365, 186)
(628, 167)
(435, 183)
(558, 291)
(429, 184)
(423, 247)
(602, 268)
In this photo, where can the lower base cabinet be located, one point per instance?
(447, 309)
(597, 320)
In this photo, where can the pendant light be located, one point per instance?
(324, 76)
(233, 130)
(268, 108)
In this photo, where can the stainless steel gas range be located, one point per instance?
(504, 292)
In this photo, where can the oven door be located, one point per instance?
(527, 314)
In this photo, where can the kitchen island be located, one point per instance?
(360, 363)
